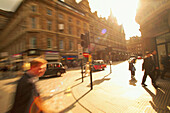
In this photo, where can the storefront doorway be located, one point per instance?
(163, 48)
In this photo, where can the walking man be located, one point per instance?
(149, 67)
(156, 69)
(27, 97)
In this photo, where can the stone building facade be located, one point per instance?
(134, 46)
(52, 28)
(154, 20)
(107, 38)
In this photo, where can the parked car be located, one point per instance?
(54, 69)
(98, 65)
(139, 57)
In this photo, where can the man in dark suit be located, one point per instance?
(156, 71)
(27, 97)
(149, 67)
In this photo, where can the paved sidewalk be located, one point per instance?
(104, 98)
(112, 94)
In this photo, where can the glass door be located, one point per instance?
(168, 49)
(161, 54)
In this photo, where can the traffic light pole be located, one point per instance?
(91, 81)
(110, 62)
(85, 42)
(82, 69)
(90, 61)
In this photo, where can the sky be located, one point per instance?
(123, 10)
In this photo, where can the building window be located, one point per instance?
(78, 32)
(78, 22)
(33, 8)
(61, 16)
(49, 12)
(33, 42)
(61, 46)
(71, 45)
(49, 43)
(33, 22)
(85, 25)
(49, 25)
(61, 28)
(69, 19)
(70, 29)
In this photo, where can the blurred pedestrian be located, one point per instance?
(27, 98)
(87, 69)
(156, 71)
(148, 67)
(166, 66)
(132, 68)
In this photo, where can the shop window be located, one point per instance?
(169, 49)
(161, 54)
(163, 38)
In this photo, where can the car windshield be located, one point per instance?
(50, 66)
(98, 62)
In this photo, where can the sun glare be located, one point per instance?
(123, 10)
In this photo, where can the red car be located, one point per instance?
(98, 65)
(139, 57)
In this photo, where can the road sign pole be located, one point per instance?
(90, 62)
(91, 81)
(82, 69)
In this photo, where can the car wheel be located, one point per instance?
(58, 73)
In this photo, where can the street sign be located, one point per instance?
(80, 52)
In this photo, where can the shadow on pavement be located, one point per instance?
(48, 97)
(10, 75)
(88, 75)
(14, 82)
(73, 104)
(133, 81)
(160, 100)
(99, 81)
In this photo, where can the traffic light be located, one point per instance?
(84, 40)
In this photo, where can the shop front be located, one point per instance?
(70, 60)
(16, 61)
(163, 48)
(49, 55)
